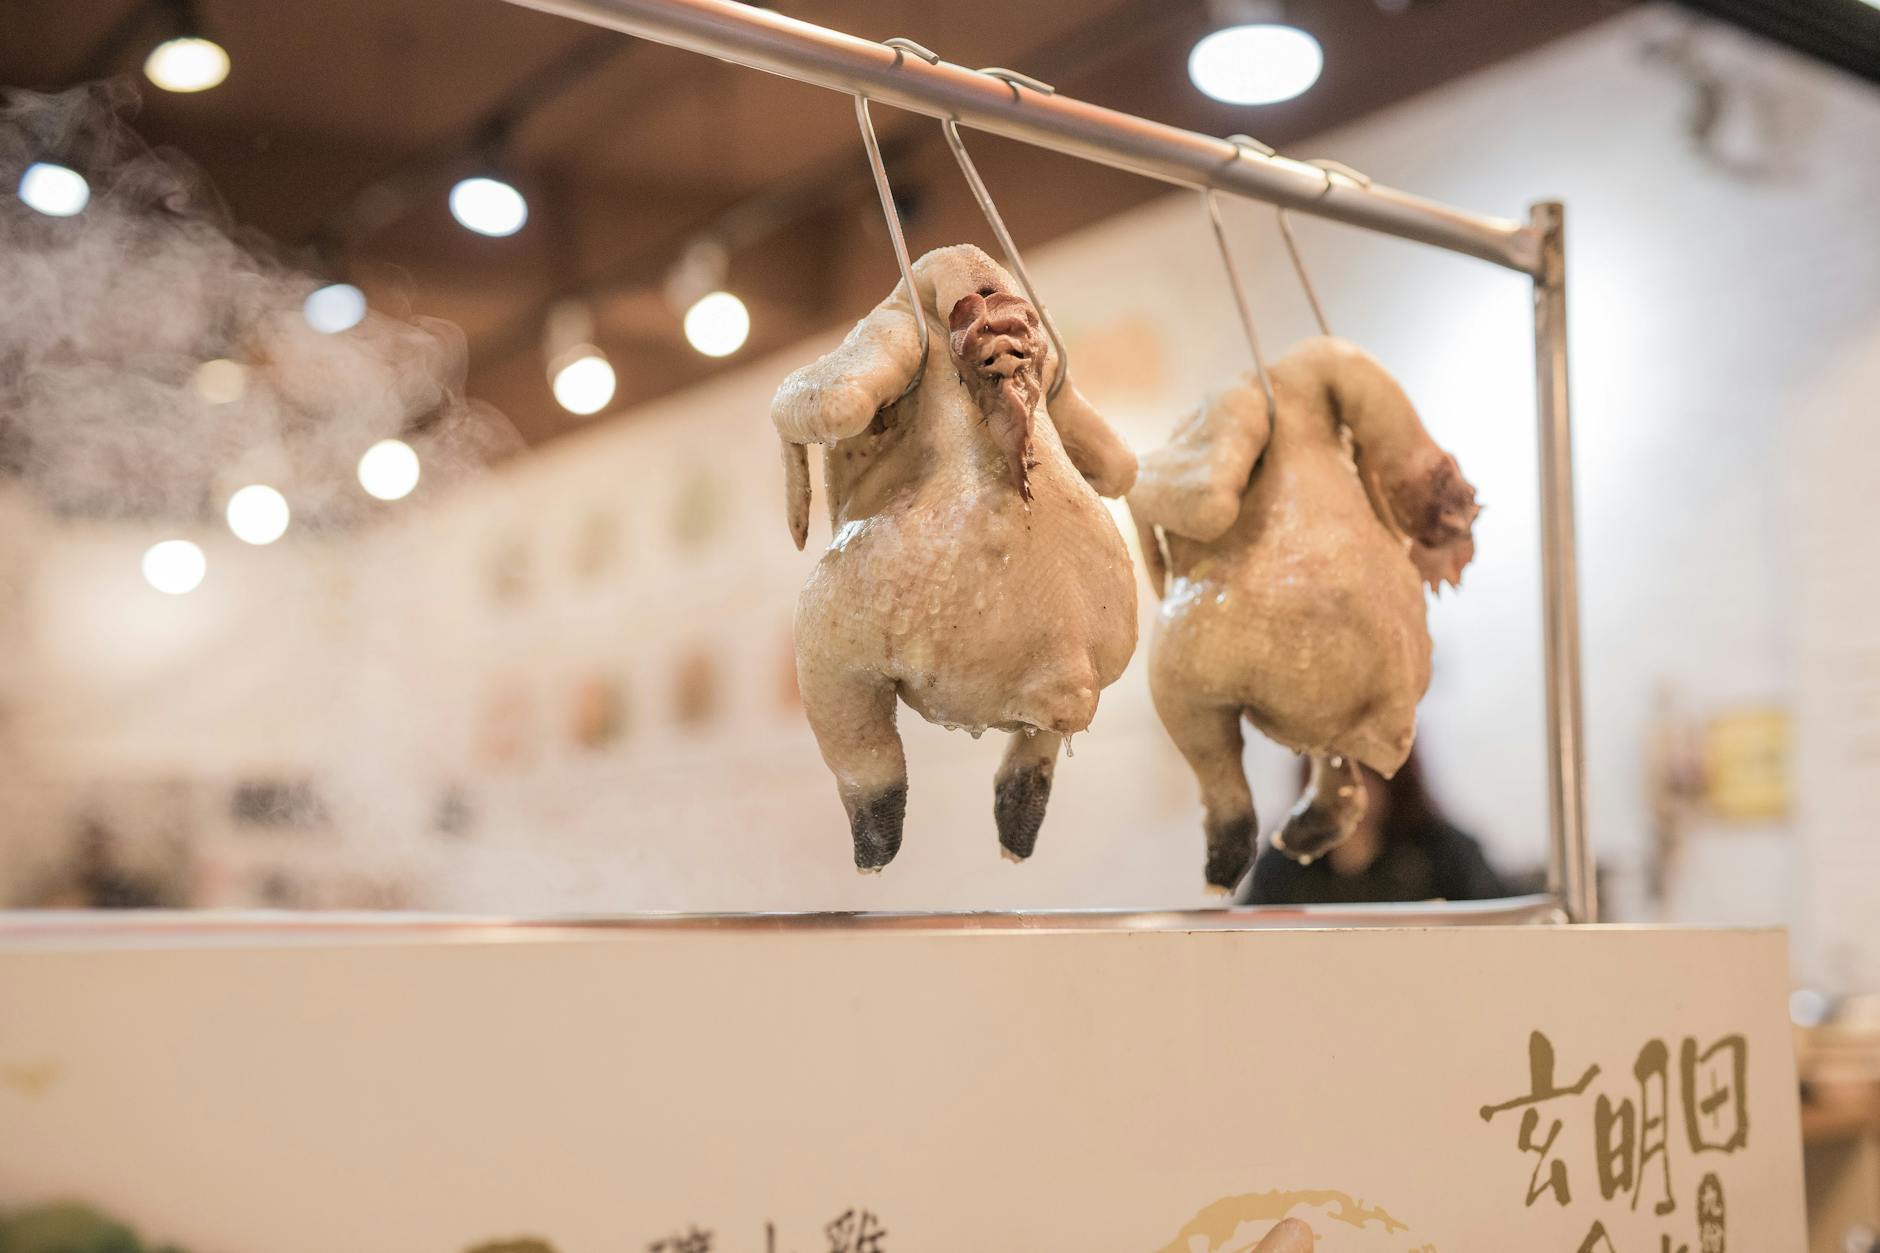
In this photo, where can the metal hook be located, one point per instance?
(1326, 168)
(1240, 299)
(1299, 268)
(908, 45)
(1339, 167)
(1015, 80)
(1248, 141)
(952, 131)
(893, 219)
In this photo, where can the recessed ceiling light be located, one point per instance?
(1262, 63)
(187, 63)
(389, 469)
(174, 566)
(488, 206)
(221, 381)
(258, 514)
(718, 324)
(586, 383)
(334, 308)
(54, 190)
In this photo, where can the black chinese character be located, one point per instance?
(1710, 1231)
(1642, 1131)
(856, 1231)
(693, 1241)
(1716, 1109)
(1541, 1088)
(1597, 1241)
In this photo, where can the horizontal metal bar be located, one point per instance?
(760, 39)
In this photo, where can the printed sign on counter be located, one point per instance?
(867, 1089)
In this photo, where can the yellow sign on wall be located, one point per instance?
(1746, 764)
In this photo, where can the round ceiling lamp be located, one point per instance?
(1255, 63)
(188, 61)
(585, 383)
(334, 308)
(389, 469)
(488, 205)
(54, 190)
(174, 566)
(258, 514)
(187, 64)
(717, 324)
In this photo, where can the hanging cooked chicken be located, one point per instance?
(1297, 550)
(972, 572)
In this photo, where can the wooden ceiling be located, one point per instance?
(344, 123)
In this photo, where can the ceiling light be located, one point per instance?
(258, 514)
(175, 566)
(389, 469)
(187, 63)
(221, 381)
(718, 324)
(1262, 63)
(488, 206)
(585, 383)
(54, 190)
(567, 331)
(334, 308)
(700, 267)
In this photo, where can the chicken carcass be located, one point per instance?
(971, 571)
(1297, 550)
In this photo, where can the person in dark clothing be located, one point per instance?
(1403, 850)
(102, 883)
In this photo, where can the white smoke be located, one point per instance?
(108, 441)
(105, 317)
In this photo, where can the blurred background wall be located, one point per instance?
(566, 685)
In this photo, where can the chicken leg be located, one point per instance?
(851, 713)
(1209, 737)
(1021, 788)
(1328, 812)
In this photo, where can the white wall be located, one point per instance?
(1702, 307)
(1838, 663)
(1705, 310)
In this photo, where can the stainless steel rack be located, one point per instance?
(1010, 104)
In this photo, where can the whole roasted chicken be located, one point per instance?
(972, 572)
(1298, 544)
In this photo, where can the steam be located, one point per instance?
(106, 316)
(110, 438)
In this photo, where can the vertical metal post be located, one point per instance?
(1570, 877)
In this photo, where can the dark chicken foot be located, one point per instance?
(875, 825)
(1327, 814)
(1018, 803)
(1021, 789)
(1231, 845)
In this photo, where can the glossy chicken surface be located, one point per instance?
(1297, 549)
(972, 572)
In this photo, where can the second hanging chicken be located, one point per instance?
(1298, 544)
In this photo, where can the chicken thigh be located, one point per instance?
(972, 571)
(1297, 547)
